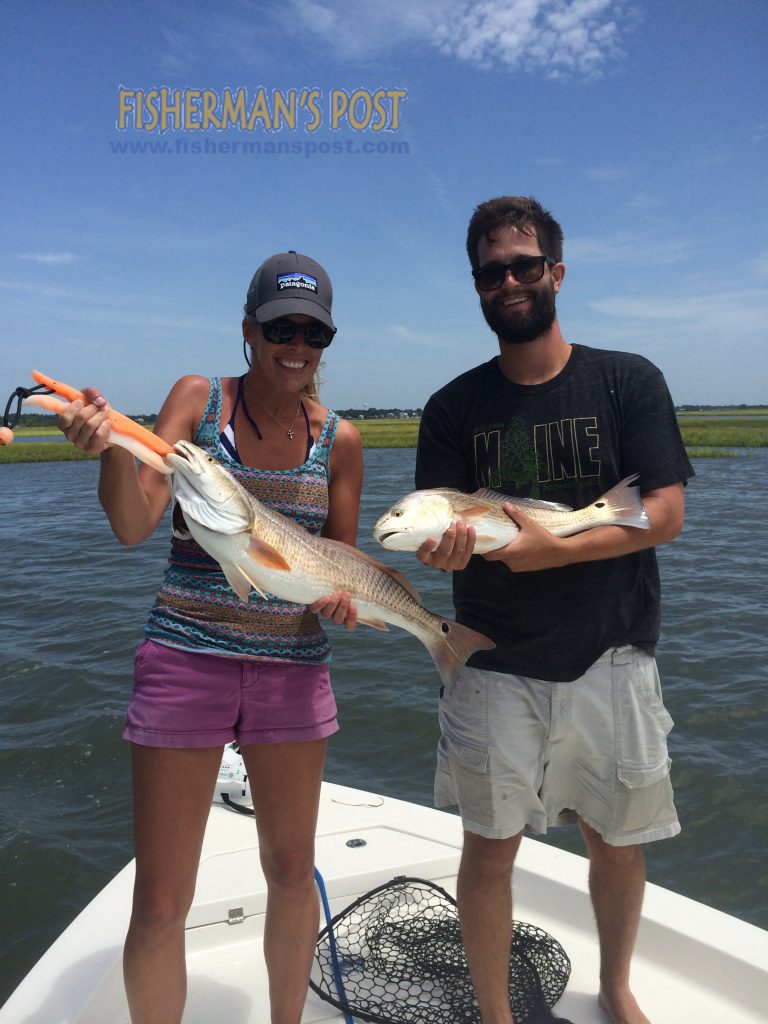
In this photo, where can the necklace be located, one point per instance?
(288, 430)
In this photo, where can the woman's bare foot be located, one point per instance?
(622, 1009)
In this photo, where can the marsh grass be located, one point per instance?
(41, 451)
(719, 434)
(744, 434)
(388, 433)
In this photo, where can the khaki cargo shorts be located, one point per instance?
(523, 754)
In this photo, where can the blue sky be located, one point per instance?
(642, 126)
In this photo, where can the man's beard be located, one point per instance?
(515, 327)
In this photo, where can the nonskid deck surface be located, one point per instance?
(680, 972)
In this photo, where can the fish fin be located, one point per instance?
(454, 646)
(404, 582)
(486, 494)
(376, 623)
(488, 538)
(240, 581)
(266, 555)
(474, 512)
(237, 579)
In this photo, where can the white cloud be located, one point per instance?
(608, 174)
(562, 37)
(759, 266)
(722, 314)
(403, 333)
(49, 257)
(629, 250)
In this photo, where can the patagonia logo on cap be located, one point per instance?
(296, 280)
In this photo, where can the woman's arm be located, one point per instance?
(134, 498)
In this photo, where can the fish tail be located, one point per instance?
(625, 505)
(454, 646)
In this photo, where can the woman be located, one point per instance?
(212, 668)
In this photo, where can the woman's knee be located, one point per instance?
(160, 911)
(288, 869)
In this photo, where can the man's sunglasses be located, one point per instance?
(524, 269)
(280, 332)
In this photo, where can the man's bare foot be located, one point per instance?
(622, 1009)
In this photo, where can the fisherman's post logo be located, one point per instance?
(193, 110)
(260, 122)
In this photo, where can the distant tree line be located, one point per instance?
(717, 408)
(372, 413)
(41, 419)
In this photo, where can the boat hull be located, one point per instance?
(692, 963)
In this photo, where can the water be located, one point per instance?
(73, 609)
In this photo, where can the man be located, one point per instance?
(564, 720)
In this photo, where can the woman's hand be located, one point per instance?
(86, 423)
(337, 607)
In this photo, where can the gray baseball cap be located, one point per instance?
(289, 283)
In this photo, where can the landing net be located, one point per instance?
(395, 956)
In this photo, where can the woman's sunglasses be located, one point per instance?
(280, 332)
(524, 269)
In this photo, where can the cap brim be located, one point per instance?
(288, 306)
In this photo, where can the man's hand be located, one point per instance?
(337, 607)
(453, 551)
(532, 549)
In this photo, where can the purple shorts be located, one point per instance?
(184, 699)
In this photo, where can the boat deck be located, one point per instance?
(692, 963)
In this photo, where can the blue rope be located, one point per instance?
(332, 944)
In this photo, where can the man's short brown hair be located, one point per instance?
(521, 212)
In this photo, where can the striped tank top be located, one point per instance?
(195, 607)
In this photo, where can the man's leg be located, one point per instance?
(484, 896)
(616, 885)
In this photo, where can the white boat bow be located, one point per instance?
(692, 963)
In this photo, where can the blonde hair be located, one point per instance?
(311, 389)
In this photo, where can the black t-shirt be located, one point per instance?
(605, 416)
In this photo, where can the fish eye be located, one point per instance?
(398, 512)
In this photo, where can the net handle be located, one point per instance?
(320, 882)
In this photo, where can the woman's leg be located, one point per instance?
(172, 793)
(285, 784)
